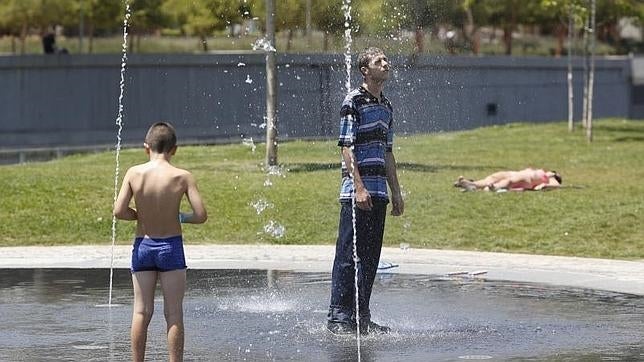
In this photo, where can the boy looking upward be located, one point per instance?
(368, 167)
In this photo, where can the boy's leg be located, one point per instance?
(371, 230)
(173, 284)
(342, 278)
(144, 283)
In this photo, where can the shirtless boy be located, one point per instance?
(158, 188)
(526, 179)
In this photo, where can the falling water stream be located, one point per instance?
(346, 7)
(119, 125)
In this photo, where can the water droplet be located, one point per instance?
(274, 229)
(261, 205)
(263, 44)
(249, 142)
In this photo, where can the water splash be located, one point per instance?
(248, 79)
(346, 8)
(250, 143)
(276, 171)
(262, 304)
(119, 124)
(274, 229)
(264, 44)
(261, 205)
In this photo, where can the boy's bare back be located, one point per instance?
(157, 188)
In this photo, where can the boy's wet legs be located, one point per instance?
(370, 227)
(369, 251)
(173, 284)
(144, 283)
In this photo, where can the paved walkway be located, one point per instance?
(613, 275)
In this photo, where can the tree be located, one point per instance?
(506, 14)
(101, 16)
(290, 16)
(146, 18)
(202, 17)
(477, 14)
(575, 12)
(609, 12)
(329, 18)
(557, 14)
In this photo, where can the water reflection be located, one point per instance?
(51, 315)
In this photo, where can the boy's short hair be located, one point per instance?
(161, 137)
(557, 177)
(365, 57)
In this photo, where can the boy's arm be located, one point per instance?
(122, 209)
(199, 214)
(363, 199)
(397, 202)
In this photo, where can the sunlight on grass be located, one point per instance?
(600, 213)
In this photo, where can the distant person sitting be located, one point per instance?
(523, 180)
(49, 44)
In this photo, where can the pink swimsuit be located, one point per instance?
(543, 179)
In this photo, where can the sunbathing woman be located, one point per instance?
(526, 179)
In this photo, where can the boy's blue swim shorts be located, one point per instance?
(158, 254)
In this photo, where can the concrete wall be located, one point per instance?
(71, 100)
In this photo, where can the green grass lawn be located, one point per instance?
(68, 201)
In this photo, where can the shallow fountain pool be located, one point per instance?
(257, 315)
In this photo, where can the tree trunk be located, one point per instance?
(560, 31)
(571, 30)
(419, 40)
(471, 32)
(23, 39)
(289, 41)
(271, 89)
(476, 42)
(204, 43)
(325, 45)
(509, 28)
(90, 45)
(591, 77)
(584, 115)
(507, 39)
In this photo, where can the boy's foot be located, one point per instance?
(374, 328)
(341, 328)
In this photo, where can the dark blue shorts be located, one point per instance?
(158, 254)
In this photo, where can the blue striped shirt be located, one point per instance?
(366, 124)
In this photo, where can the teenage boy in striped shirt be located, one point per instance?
(368, 166)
